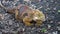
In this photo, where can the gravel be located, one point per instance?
(9, 25)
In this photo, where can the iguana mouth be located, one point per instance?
(33, 22)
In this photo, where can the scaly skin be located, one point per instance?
(31, 14)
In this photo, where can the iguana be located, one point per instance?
(27, 15)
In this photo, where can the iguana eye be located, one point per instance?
(25, 14)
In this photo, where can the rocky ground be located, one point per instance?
(51, 9)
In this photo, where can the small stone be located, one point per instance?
(51, 21)
(23, 29)
(54, 32)
(49, 33)
(26, 0)
(52, 1)
(0, 32)
(4, 31)
(10, 22)
(58, 22)
(48, 8)
(54, 8)
(49, 26)
(58, 28)
(40, 7)
(59, 11)
(33, 28)
(1, 16)
(6, 13)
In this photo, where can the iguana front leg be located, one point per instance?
(27, 21)
(38, 23)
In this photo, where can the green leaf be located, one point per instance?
(43, 30)
(58, 10)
